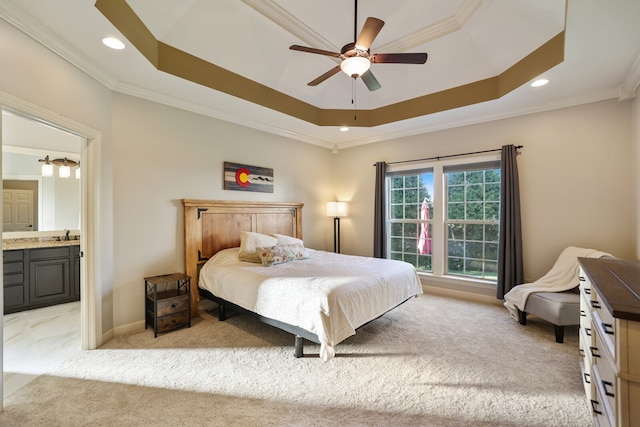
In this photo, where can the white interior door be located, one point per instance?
(17, 210)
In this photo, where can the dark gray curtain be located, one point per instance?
(379, 238)
(510, 270)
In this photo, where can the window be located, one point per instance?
(410, 207)
(444, 218)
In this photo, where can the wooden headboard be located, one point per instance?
(213, 225)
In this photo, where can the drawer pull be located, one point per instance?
(587, 331)
(607, 384)
(583, 313)
(595, 304)
(587, 378)
(581, 351)
(594, 351)
(581, 278)
(587, 291)
(607, 328)
(594, 407)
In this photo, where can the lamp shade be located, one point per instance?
(47, 169)
(355, 66)
(336, 209)
(64, 171)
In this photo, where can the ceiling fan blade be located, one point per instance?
(372, 27)
(324, 77)
(370, 81)
(314, 50)
(399, 58)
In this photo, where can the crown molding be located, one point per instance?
(628, 88)
(478, 119)
(440, 29)
(290, 23)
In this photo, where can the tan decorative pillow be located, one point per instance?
(281, 253)
(249, 242)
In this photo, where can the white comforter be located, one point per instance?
(327, 294)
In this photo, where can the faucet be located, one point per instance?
(66, 235)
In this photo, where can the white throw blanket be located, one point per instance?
(562, 277)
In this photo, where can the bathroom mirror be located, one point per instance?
(33, 202)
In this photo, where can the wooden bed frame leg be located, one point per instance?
(222, 313)
(299, 351)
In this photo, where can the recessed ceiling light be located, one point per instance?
(344, 129)
(113, 43)
(539, 82)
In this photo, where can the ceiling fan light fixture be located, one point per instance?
(355, 66)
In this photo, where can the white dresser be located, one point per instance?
(610, 339)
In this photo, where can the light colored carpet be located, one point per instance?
(434, 361)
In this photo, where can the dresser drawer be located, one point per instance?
(48, 253)
(173, 321)
(13, 279)
(585, 283)
(585, 320)
(585, 344)
(13, 267)
(172, 305)
(604, 322)
(599, 411)
(17, 255)
(604, 377)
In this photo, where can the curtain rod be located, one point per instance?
(450, 155)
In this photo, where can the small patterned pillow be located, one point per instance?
(250, 243)
(280, 254)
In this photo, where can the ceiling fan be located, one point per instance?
(357, 57)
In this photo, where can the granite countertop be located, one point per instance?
(38, 242)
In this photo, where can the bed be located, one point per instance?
(328, 305)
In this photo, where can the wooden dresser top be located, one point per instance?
(618, 283)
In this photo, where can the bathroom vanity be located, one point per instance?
(39, 273)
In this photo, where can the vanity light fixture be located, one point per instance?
(47, 167)
(64, 166)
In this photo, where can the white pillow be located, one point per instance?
(249, 241)
(287, 240)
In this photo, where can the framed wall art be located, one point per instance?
(247, 178)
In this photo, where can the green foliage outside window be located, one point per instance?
(472, 210)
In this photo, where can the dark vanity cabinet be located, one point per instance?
(39, 277)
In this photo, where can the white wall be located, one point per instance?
(165, 155)
(575, 178)
(37, 76)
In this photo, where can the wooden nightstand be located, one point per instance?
(167, 302)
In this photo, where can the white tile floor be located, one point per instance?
(37, 340)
